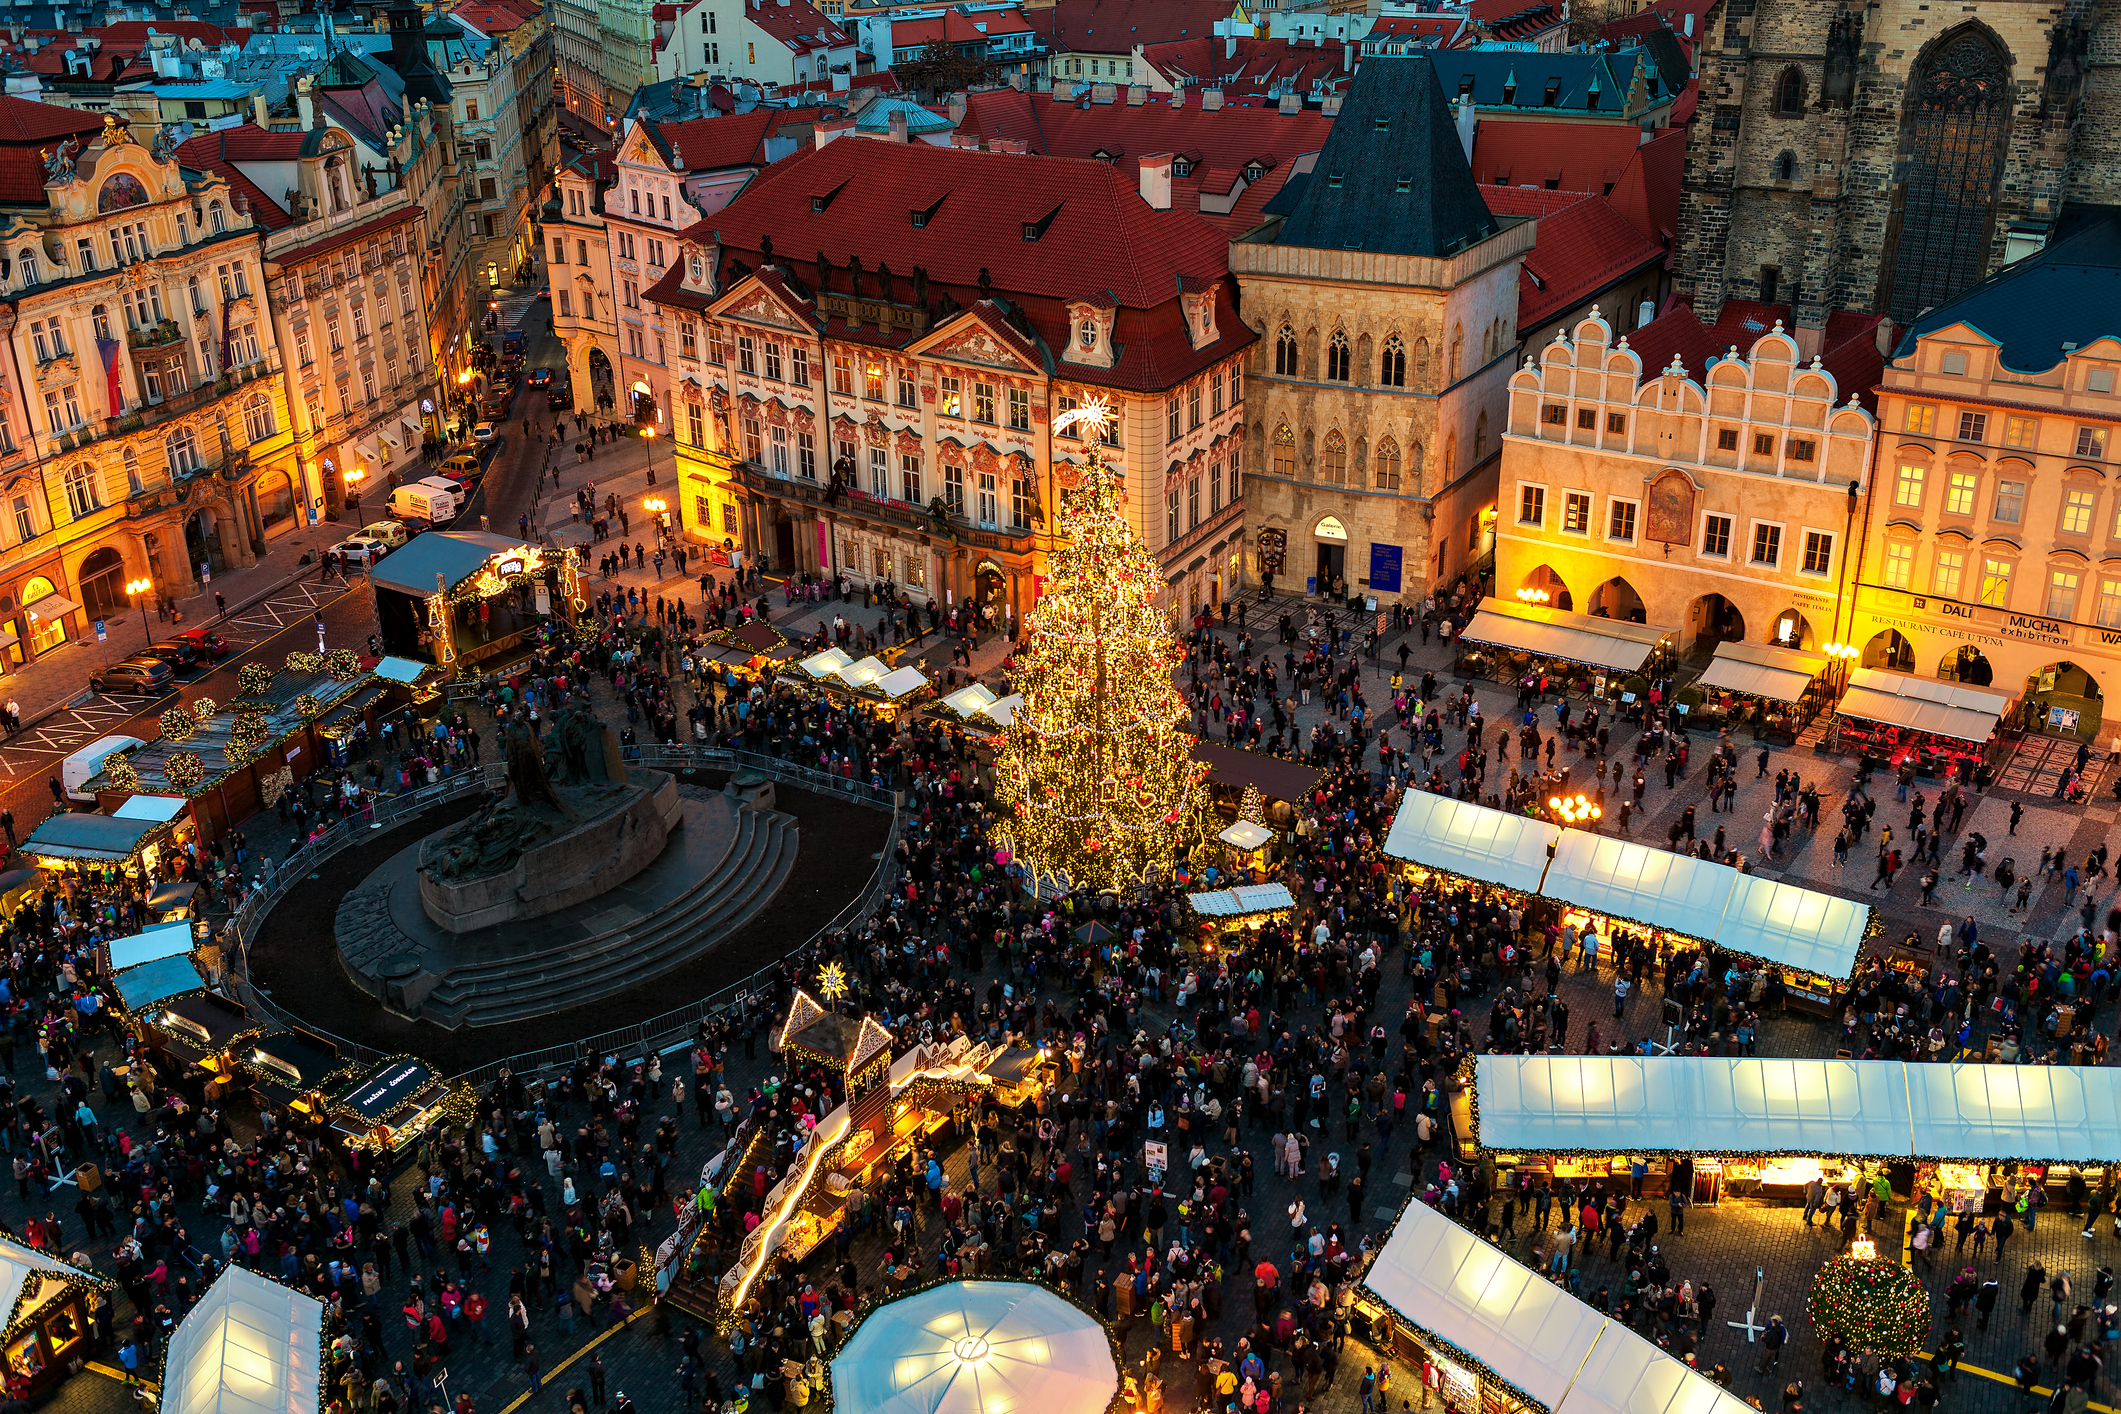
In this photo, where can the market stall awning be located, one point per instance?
(1626, 1374)
(1236, 903)
(250, 1346)
(28, 1279)
(150, 945)
(1762, 670)
(1277, 779)
(971, 699)
(2045, 1113)
(1458, 837)
(142, 986)
(1637, 883)
(383, 1089)
(1462, 1289)
(1003, 713)
(825, 664)
(1574, 638)
(1693, 1104)
(90, 838)
(1802, 928)
(976, 1347)
(1957, 710)
(1246, 834)
(901, 682)
(156, 808)
(865, 672)
(456, 555)
(404, 670)
(174, 895)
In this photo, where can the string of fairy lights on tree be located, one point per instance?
(1870, 1304)
(1096, 774)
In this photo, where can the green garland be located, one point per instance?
(1876, 1305)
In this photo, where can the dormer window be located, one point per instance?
(1030, 230)
(1254, 172)
(697, 267)
(1086, 333)
(1181, 168)
(817, 203)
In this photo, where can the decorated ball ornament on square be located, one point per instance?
(1096, 776)
(1870, 1304)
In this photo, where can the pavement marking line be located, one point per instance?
(2041, 1390)
(545, 1378)
(119, 1375)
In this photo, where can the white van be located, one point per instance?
(81, 767)
(432, 500)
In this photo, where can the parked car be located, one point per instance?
(482, 433)
(204, 642)
(540, 377)
(361, 549)
(143, 677)
(560, 400)
(179, 656)
(390, 532)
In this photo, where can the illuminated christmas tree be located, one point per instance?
(1096, 777)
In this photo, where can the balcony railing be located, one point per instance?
(856, 503)
(159, 335)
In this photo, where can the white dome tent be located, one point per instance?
(250, 1346)
(976, 1347)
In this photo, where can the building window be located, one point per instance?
(1387, 460)
(1995, 583)
(1531, 505)
(1818, 552)
(1767, 544)
(754, 442)
(1716, 537)
(953, 488)
(1337, 357)
(1950, 571)
(1620, 521)
(688, 338)
(1726, 439)
(1800, 449)
(842, 375)
(1020, 408)
(1333, 460)
(909, 468)
(983, 403)
(746, 355)
(908, 390)
(1554, 415)
(1392, 364)
(952, 396)
(1907, 491)
(1020, 503)
(880, 473)
(1973, 426)
(1616, 423)
(1899, 564)
(2021, 432)
(1921, 419)
(798, 365)
(1193, 504)
(773, 360)
(81, 498)
(780, 451)
(1763, 444)
(1576, 512)
(1587, 419)
(2062, 594)
(2110, 603)
(2010, 501)
(1193, 407)
(2091, 443)
(989, 505)
(258, 420)
(2077, 510)
(696, 426)
(806, 456)
(1959, 493)
(182, 449)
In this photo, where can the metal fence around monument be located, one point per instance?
(633, 1042)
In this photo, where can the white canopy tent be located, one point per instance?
(1003, 713)
(1654, 887)
(976, 1347)
(971, 699)
(825, 664)
(1459, 837)
(162, 940)
(863, 673)
(899, 682)
(1555, 633)
(1246, 835)
(1818, 932)
(1239, 902)
(23, 1271)
(1762, 670)
(1878, 1109)
(250, 1346)
(157, 808)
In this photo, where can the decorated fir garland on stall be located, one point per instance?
(185, 770)
(1870, 1304)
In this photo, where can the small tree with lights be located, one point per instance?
(1870, 1304)
(1096, 777)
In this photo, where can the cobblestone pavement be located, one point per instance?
(1720, 1245)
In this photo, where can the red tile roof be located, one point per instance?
(1102, 242)
(1848, 345)
(1446, 31)
(134, 34)
(404, 215)
(496, 16)
(1583, 246)
(798, 24)
(1249, 67)
(1571, 156)
(1222, 141)
(738, 140)
(1648, 191)
(219, 152)
(1513, 19)
(1117, 26)
(22, 121)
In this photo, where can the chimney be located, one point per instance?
(1211, 99)
(1330, 105)
(1230, 45)
(1103, 93)
(1292, 102)
(261, 111)
(964, 140)
(1137, 94)
(956, 108)
(898, 125)
(1645, 312)
(1063, 91)
(1347, 57)
(1688, 28)
(1156, 180)
(1466, 124)
(1178, 96)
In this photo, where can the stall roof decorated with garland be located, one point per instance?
(1525, 1331)
(88, 839)
(1459, 837)
(28, 1279)
(976, 1347)
(456, 555)
(250, 1346)
(1749, 1105)
(273, 710)
(1242, 901)
(831, 1038)
(151, 982)
(150, 945)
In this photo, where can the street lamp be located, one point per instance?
(1840, 656)
(353, 477)
(660, 509)
(1533, 596)
(136, 588)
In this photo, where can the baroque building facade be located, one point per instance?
(1885, 158)
(142, 386)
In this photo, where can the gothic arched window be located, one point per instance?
(1789, 93)
(1337, 357)
(1392, 365)
(1958, 113)
(1285, 362)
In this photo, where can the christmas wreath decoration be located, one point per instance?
(253, 678)
(305, 664)
(203, 708)
(118, 770)
(1870, 1304)
(343, 664)
(185, 770)
(178, 724)
(308, 705)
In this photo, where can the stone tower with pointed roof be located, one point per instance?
(1384, 294)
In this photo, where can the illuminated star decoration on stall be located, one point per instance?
(1096, 775)
(832, 982)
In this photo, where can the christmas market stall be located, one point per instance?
(79, 843)
(249, 1345)
(294, 1074)
(458, 598)
(1437, 834)
(1772, 692)
(1765, 1128)
(1473, 1325)
(1224, 911)
(50, 1308)
(1584, 654)
(977, 1347)
(1945, 729)
(386, 1110)
(193, 1035)
(160, 941)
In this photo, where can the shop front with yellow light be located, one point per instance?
(50, 1305)
(459, 598)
